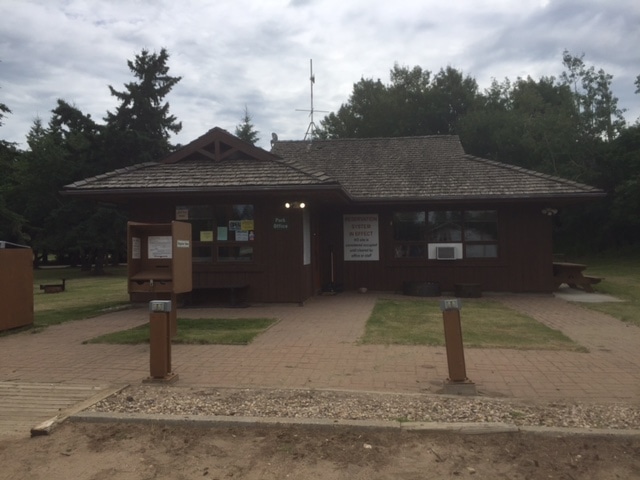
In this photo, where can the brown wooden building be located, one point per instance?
(345, 214)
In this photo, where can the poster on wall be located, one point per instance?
(361, 243)
(206, 235)
(246, 225)
(135, 248)
(159, 246)
(306, 238)
(182, 213)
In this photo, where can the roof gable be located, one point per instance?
(216, 145)
(216, 161)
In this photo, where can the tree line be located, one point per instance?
(570, 126)
(73, 146)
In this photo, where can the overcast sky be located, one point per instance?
(255, 53)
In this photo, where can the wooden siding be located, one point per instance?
(283, 249)
(529, 252)
(523, 265)
(279, 275)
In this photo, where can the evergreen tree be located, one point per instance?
(3, 111)
(140, 128)
(39, 175)
(80, 231)
(11, 223)
(246, 131)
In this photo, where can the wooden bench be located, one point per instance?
(571, 274)
(232, 289)
(54, 287)
(591, 280)
(233, 298)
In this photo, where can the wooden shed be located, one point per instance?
(326, 215)
(16, 286)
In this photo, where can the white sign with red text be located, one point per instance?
(361, 243)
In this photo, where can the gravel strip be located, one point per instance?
(171, 400)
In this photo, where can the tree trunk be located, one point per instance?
(98, 268)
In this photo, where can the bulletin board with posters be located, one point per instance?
(159, 257)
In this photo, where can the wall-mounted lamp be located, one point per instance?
(295, 205)
(549, 211)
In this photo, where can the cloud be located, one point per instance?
(236, 53)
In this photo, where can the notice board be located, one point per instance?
(361, 237)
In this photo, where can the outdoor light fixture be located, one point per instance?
(549, 211)
(295, 205)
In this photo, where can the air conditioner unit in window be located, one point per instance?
(446, 253)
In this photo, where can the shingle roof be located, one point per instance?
(430, 168)
(215, 161)
(206, 174)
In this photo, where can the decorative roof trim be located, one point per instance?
(216, 136)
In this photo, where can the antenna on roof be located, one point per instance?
(311, 129)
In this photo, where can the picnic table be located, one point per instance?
(571, 274)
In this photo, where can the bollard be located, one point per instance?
(160, 312)
(457, 383)
(173, 318)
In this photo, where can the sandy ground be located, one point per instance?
(144, 451)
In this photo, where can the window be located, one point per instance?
(445, 226)
(476, 231)
(480, 234)
(221, 233)
(410, 233)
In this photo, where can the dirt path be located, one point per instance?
(136, 452)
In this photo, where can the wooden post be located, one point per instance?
(160, 342)
(457, 383)
(453, 342)
(173, 317)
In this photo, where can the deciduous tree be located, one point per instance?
(596, 105)
(413, 103)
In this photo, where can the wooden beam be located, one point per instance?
(228, 152)
(207, 154)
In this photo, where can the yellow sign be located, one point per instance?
(206, 236)
(246, 225)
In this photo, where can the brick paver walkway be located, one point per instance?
(315, 346)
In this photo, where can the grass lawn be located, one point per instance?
(485, 323)
(198, 331)
(85, 295)
(621, 272)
